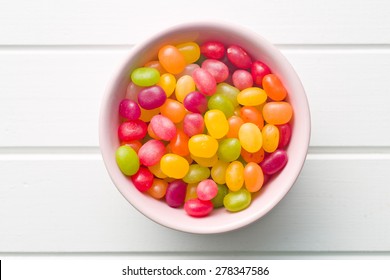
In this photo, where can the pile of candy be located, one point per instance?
(203, 126)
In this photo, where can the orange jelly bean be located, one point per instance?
(179, 143)
(253, 177)
(156, 65)
(173, 110)
(235, 123)
(255, 157)
(277, 112)
(250, 114)
(274, 88)
(158, 188)
(171, 59)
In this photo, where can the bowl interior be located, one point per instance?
(220, 220)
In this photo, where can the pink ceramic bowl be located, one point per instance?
(220, 220)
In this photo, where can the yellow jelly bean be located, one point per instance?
(252, 96)
(250, 137)
(191, 192)
(190, 51)
(174, 166)
(206, 162)
(202, 145)
(184, 86)
(168, 83)
(270, 138)
(216, 123)
(234, 176)
(218, 172)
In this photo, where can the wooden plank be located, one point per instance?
(126, 22)
(51, 97)
(54, 203)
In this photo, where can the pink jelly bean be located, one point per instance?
(274, 162)
(143, 179)
(163, 127)
(217, 69)
(242, 79)
(188, 70)
(239, 57)
(206, 189)
(193, 124)
(198, 208)
(259, 70)
(204, 81)
(151, 97)
(195, 102)
(129, 109)
(132, 130)
(284, 135)
(176, 193)
(151, 152)
(212, 49)
(132, 91)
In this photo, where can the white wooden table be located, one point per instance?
(56, 196)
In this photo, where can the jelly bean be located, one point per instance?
(190, 51)
(195, 102)
(173, 110)
(196, 173)
(259, 70)
(188, 70)
(202, 145)
(168, 83)
(270, 138)
(145, 76)
(229, 149)
(132, 130)
(252, 115)
(284, 135)
(143, 179)
(207, 162)
(222, 103)
(151, 152)
(213, 49)
(235, 176)
(255, 157)
(147, 115)
(171, 59)
(239, 57)
(253, 177)
(207, 189)
(129, 109)
(242, 79)
(127, 160)
(234, 126)
(191, 192)
(179, 143)
(156, 65)
(237, 201)
(228, 91)
(135, 144)
(151, 133)
(217, 69)
(252, 96)
(151, 97)
(198, 208)
(184, 86)
(158, 188)
(193, 124)
(156, 170)
(274, 162)
(163, 127)
(277, 112)
(218, 199)
(204, 81)
(216, 123)
(218, 172)
(174, 166)
(250, 137)
(274, 88)
(132, 91)
(176, 193)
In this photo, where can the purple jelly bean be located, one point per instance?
(204, 81)
(195, 102)
(217, 69)
(151, 97)
(274, 162)
(176, 193)
(129, 109)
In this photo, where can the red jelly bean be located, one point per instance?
(132, 130)
(151, 152)
(163, 127)
(143, 179)
(284, 135)
(193, 124)
(151, 97)
(204, 81)
(212, 49)
(198, 208)
(176, 193)
(239, 57)
(129, 109)
(195, 102)
(259, 70)
(217, 69)
(275, 162)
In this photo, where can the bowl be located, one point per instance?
(220, 220)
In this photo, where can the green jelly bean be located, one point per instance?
(238, 200)
(222, 103)
(228, 91)
(229, 149)
(196, 173)
(145, 76)
(218, 199)
(127, 160)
